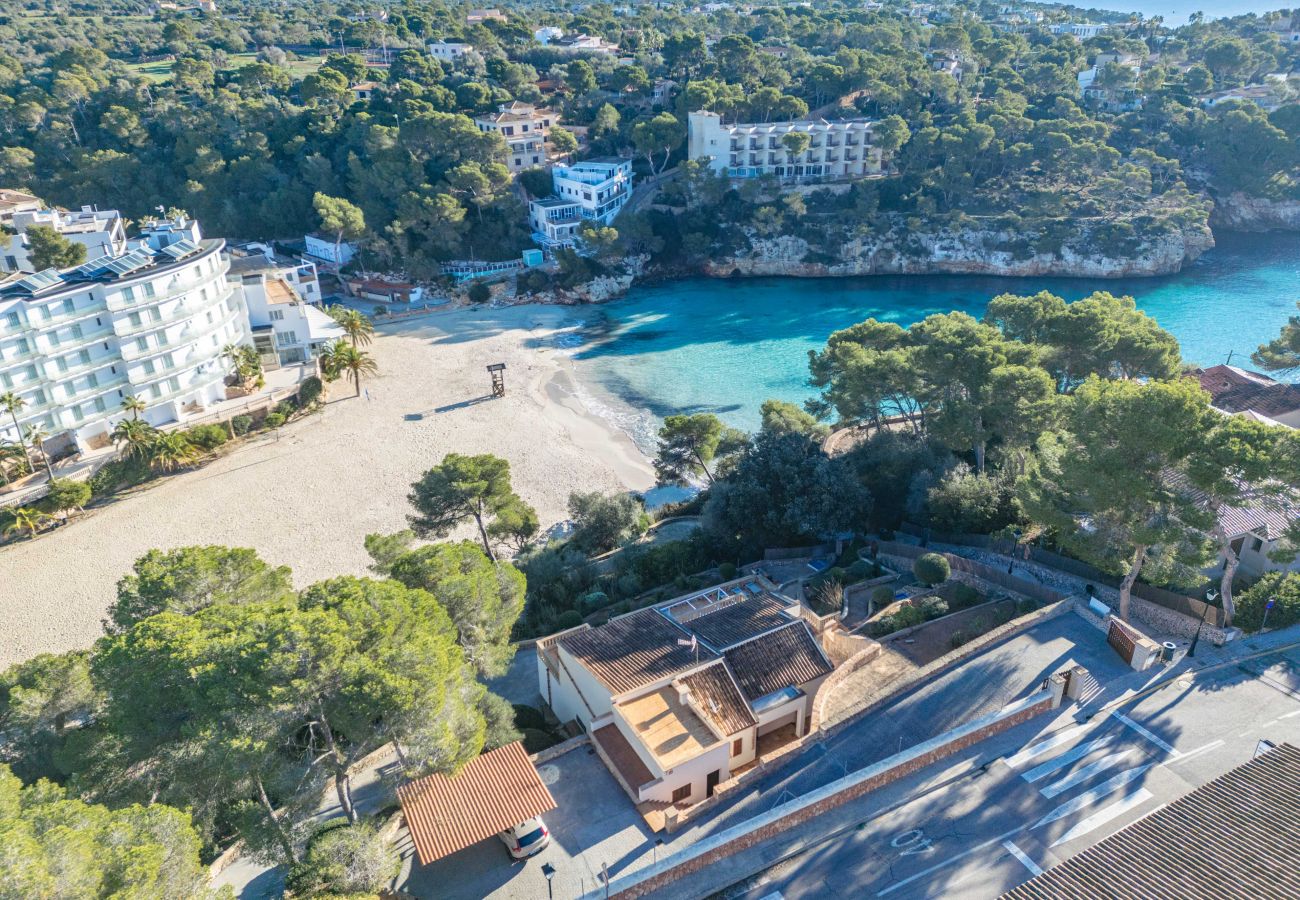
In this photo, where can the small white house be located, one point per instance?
(448, 51)
(595, 190)
(283, 299)
(547, 33)
(322, 247)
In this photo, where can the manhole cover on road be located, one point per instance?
(549, 774)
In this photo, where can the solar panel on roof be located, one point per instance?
(40, 281)
(136, 259)
(181, 249)
(93, 267)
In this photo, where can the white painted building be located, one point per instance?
(283, 298)
(13, 202)
(148, 323)
(449, 51)
(547, 33)
(524, 128)
(679, 696)
(1081, 30)
(100, 231)
(322, 247)
(584, 43)
(594, 190)
(839, 149)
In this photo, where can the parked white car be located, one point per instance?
(526, 838)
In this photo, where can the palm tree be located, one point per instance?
(357, 324)
(13, 404)
(170, 450)
(134, 437)
(11, 453)
(341, 357)
(134, 405)
(27, 519)
(36, 436)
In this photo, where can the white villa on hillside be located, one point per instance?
(524, 128)
(677, 697)
(838, 149)
(283, 299)
(594, 190)
(449, 51)
(149, 322)
(100, 231)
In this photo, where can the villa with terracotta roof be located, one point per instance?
(1240, 392)
(676, 696)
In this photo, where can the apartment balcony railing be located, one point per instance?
(192, 333)
(176, 290)
(99, 332)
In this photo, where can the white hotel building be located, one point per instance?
(594, 190)
(839, 149)
(150, 323)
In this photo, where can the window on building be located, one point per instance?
(83, 357)
(1256, 544)
(69, 306)
(682, 793)
(148, 289)
(38, 397)
(141, 343)
(155, 314)
(76, 330)
(46, 314)
(93, 380)
(6, 380)
(277, 315)
(174, 383)
(62, 364)
(148, 366)
(54, 339)
(22, 346)
(100, 405)
(135, 320)
(31, 373)
(76, 411)
(154, 391)
(128, 294)
(737, 746)
(11, 263)
(13, 320)
(290, 337)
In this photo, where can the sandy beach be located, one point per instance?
(306, 496)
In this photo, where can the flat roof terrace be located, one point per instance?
(669, 729)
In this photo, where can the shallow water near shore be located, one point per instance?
(726, 345)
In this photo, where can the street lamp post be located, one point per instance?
(1267, 607)
(549, 871)
(1210, 597)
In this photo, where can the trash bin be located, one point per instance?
(1167, 651)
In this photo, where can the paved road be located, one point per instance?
(963, 832)
(988, 682)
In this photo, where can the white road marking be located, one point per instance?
(1042, 747)
(949, 861)
(1092, 796)
(1104, 815)
(1146, 734)
(1023, 857)
(1085, 773)
(1290, 714)
(1065, 759)
(1212, 745)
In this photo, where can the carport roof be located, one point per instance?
(1237, 836)
(493, 792)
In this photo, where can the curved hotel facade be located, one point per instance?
(148, 323)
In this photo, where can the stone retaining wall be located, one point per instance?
(799, 811)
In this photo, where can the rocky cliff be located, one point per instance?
(1238, 212)
(967, 252)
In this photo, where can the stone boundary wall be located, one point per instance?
(804, 809)
(559, 749)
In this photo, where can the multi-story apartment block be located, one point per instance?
(594, 190)
(149, 322)
(283, 298)
(100, 231)
(524, 128)
(837, 149)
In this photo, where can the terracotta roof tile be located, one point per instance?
(787, 657)
(634, 650)
(629, 764)
(715, 695)
(493, 792)
(1237, 836)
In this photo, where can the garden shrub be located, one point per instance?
(274, 420)
(207, 437)
(595, 600)
(119, 474)
(1025, 607)
(934, 607)
(1283, 588)
(963, 596)
(241, 424)
(309, 391)
(380, 309)
(908, 615)
(882, 626)
(931, 569)
(957, 639)
(570, 618)
(479, 293)
(287, 407)
(536, 740)
(859, 571)
(726, 571)
(528, 717)
(882, 596)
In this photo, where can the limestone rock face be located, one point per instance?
(968, 252)
(1237, 212)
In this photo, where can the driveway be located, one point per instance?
(594, 825)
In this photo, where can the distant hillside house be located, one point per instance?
(363, 90)
(678, 697)
(524, 128)
(448, 51)
(1081, 30)
(100, 231)
(593, 190)
(584, 43)
(547, 33)
(839, 149)
(14, 202)
(479, 16)
(321, 247)
(1241, 392)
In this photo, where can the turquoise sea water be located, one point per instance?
(726, 345)
(1175, 12)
